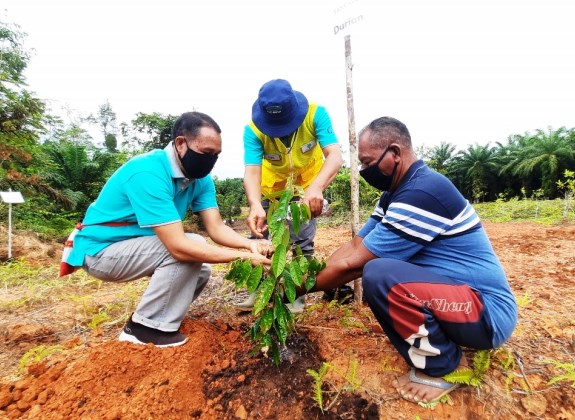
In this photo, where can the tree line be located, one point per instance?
(60, 168)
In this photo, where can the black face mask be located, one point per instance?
(197, 165)
(374, 177)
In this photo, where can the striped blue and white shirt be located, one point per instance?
(426, 221)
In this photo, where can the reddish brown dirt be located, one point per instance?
(212, 376)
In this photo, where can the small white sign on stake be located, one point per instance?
(346, 14)
(11, 197)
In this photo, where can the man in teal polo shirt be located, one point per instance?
(134, 229)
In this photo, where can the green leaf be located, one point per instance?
(282, 210)
(298, 252)
(267, 340)
(254, 279)
(286, 237)
(303, 264)
(267, 319)
(271, 209)
(254, 331)
(276, 353)
(284, 319)
(310, 281)
(234, 270)
(315, 266)
(244, 274)
(295, 217)
(276, 232)
(289, 288)
(281, 332)
(305, 213)
(263, 294)
(295, 272)
(279, 260)
(279, 234)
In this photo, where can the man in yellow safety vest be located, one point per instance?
(288, 137)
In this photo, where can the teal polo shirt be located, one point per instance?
(149, 190)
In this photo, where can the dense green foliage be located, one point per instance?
(339, 193)
(526, 165)
(156, 129)
(231, 197)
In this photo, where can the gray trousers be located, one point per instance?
(173, 285)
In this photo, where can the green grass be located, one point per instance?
(33, 288)
(548, 212)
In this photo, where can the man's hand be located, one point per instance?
(313, 197)
(256, 220)
(258, 259)
(263, 247)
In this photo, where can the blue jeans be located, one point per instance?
(173, 286)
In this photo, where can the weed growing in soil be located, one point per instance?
(567, 375)
(473, 375)
(278, 284)
(37, 354)
(325, 392)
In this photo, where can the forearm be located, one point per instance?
(344, 265)
(339, 269)
(252, 184)
(191, 251)
(329, 170)
(226, 236)
(185, 249)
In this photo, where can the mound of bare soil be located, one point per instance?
(212, 376)
(27, 244)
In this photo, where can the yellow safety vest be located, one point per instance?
(303, 159)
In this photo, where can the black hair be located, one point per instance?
(190, 123)
(385, 130)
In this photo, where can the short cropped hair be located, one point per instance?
(385, 130)
(190, 123)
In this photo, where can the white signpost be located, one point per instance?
(347, 15)
(11, 197)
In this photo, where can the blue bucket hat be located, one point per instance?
(279, 110)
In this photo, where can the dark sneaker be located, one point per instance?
(343, 294)
(140, 334)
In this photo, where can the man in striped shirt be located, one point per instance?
(429, 272)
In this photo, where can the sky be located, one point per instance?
(457, 71)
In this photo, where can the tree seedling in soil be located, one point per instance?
(326, 393)
(277, 285)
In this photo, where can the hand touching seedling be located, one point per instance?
(281, 280)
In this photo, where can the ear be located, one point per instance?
(179, 143)
(395, 149)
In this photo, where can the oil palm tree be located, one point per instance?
(547, 153)
(475, 169)
(78, 169)
(439, 156)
